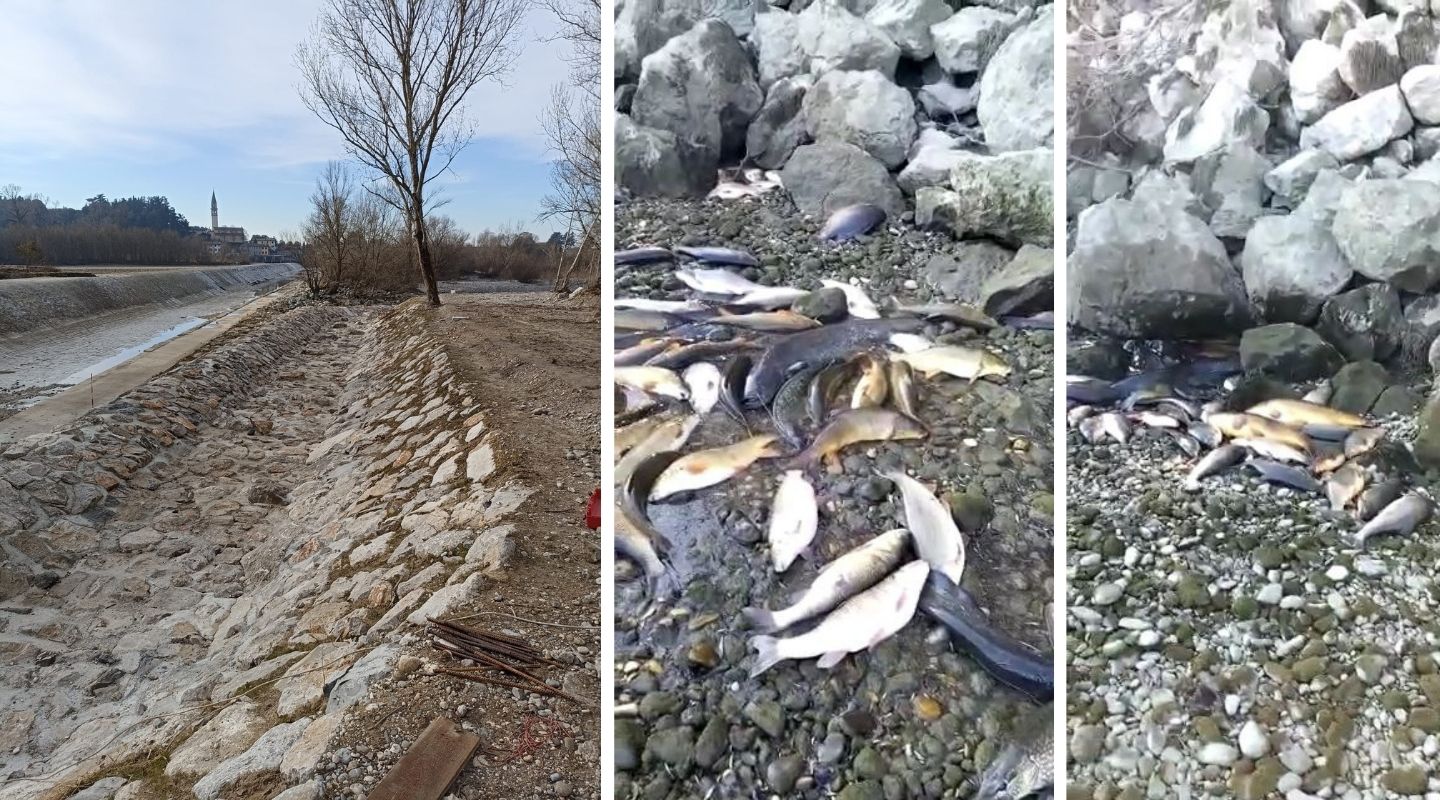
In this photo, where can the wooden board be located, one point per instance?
(431, 765)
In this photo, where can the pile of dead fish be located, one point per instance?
(1302, 444)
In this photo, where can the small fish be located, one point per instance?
(1187, 411)
(961, 362)
(652, 380)
(770, 297)
(937, 537)
(634, 319)
(685, 355)
(1216, 461)
(639, 256)
(641, 351)
(702, 379)
(1251, 426)
(1080, 412)
(768, 321)
(635, 494)
(636, 432)
(1298, 412)
(633, 544)
(840, 580)
(857, 302)
(1276, 451)
(862, 425)
(706, 468)
(874, 384)
(1373, 500)
(860, 623)
(732, 388)
(1026, 766)
(1204, 433)
(1115, 426)
(958, 313)
(1344, 486)
(1186, 443)
(790, 410)
(661, 306)
(910, 342)
(716, 281)
(1285, 475)
(793, 519)
(1320, 395)
(729, 190)
(719, 255)
(903, 393)
(752, 174)
(852, 221)
(1399, 518)
(1362, 440)
(1154, 419)
(669, 435)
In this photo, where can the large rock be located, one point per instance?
(1421, 87)
(1291, 266)
(262, 757)
(1358, 385)
(1361, 126)
(1016, 108)
(828, 176)
(227, 734)
(944, 101)
(1417, 39)
(960, 274)
(779, 127)
(1240, 44)
(1389, 230)
(1231, 184)
(1291, 180)
(1301, 21)
(778, 53)
(929, 167)
(1422, 325)
(834, 38)
(700, 86)
(644, 26)
(1316, 87)
(1288, 351)
(655, 163)
(1364, 324)
(864, 109)
(1145, 268)
(907, 23)
(1007, 197)
(1024, 286)
(965, 41)
(1427, 440)
(1370, 57)
(1227, 116)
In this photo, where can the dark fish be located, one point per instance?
(788, 412)
(719, 255)
(732, 388)
(852, 221)
(1373, 500)
(819, 347)
(903, 393)
(1009, 660)
(682, 357)
(825, 386)
(1285, 475)
(635, 495)
(1205, 433)
(1326, 433)
(1025, 767)
(1091, 391)
(640, 256)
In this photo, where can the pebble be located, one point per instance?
(1253, 742)
(1218, 753)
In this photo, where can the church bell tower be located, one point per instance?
(214, 212)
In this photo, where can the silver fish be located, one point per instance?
(937, 538)
(1320, 395)
(1155, 419)
(1186, 443)
(1373, 500)
(719, 255)
(702, 379)
(852, 221)
(910, 342)
(841, 579)
(1205, 433)
(716, 281)
(1362, 440)
(662, 306)
(856, 301)
(793, 519)
(1078, 413)
(1115, 426)
(770, 297)
(1275, 472)
(1400, 518)
(1217, 460)
(1092, 429)
(1276, 451)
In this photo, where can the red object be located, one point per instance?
(592, 511)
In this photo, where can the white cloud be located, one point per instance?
(150, 80)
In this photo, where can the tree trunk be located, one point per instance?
(422, 255)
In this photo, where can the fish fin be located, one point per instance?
(760, 619)
(767, 654)
(665, 585)
(831, 659)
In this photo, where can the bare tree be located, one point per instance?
(391, 77)
(20, 208)
(572, 127)
(333, 225)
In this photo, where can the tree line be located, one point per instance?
(131, 230)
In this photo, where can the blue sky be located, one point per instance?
(176, 98)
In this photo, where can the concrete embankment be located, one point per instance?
(34, 303)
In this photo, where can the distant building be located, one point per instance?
(226, 235)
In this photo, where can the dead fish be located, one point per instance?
(641, 352)
(961, 362)
(1251, 426)
(1298, 412)
(1275, 451)
(730, 190)
(824, 387)
(789, 410)
(716, 281)
(662, 306)
(1344, 486)
(1214, 462)
(840, 580)
(719, 255)
(639, 256)
(770, 297)
(958, 313)
(652, 380)
(860, 623)
(852, 221)
(782, 321)
(910, 342)
(1327, 462)
(1092, 429)
(633, 544)
(1326, 433)
(1204, 433)
(862, 425)
(1373, 500)
(1026, 766)
(1285, 475)
(1153, 419)
(635, 319)
(705, 468)
(937, 538)
(685, 355)
(732, 388)
(702, 380)
(1187, 411)
(669, 435)
(818, 347)
(1320, 395)
(1399, 518)
(794, 517)
(874, 384)
(1186, 443)
(1362, 441)
(1074, 415)
(903, 394)
(635, 494)
(1115, 426)
(856, 301)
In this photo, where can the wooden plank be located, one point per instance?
(431, 765)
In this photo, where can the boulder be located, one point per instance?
(1389, 230)
(1426, 142)
(1345, 16)
(1024, 286)
(1417, 40)
(966, 40)
(1231, 184)
(834, 38)
(929, 167)
(1105, 358)
(778, 53)
(1316, 87)
(1240, 44)
(1361, 126)
(1288, 351)
(864, 109)
(1171, 92)
(1301, 21)
(263, 756)
(779, 127)
(1227, 116)
(1007, 197)
(1396, 401)
(644, 26)
(1291, 180)
(1144, 268)
(1370, 57)
(827, 176)
(1421, 87)
(1363, 324)
(738, 14)
(960, 274)
(655, 163)
(1427, 440)
(1358, 386)
(907, 23)
(228, 734)
(944, 101)
(1422, 325)
(1016, 107)
(1292, 265)
(701, 87)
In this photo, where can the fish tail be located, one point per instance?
(664, 585)
(767, 654)
(760, 619)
